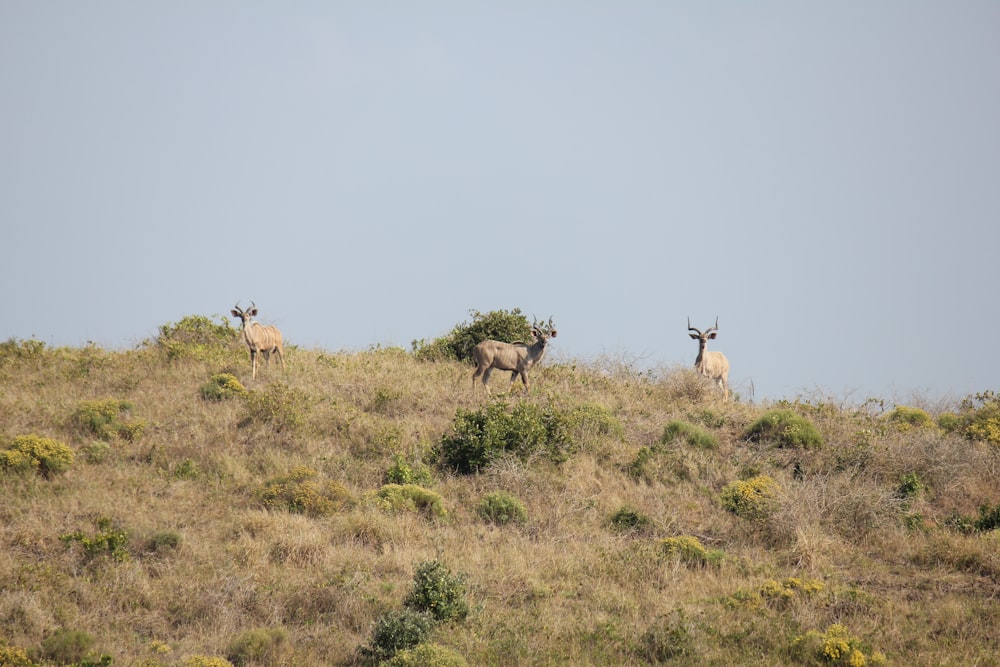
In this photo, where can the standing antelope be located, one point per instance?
(514, 357)
(713, 365)
(259, 338)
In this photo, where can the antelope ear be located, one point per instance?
(235, 314)
(695, 336)
(553, 333)
(713, 335)
(253, 313)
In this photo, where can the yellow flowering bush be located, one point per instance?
(301, 493)
(45, 456)
(754, 499)
(835, 647)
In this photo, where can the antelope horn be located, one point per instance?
(691, 328)
(237, 307)
(716, 327)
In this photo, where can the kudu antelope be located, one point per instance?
(514, 357)
(712, 365)
(259, 338)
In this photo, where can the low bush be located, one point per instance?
(690, 551)
(629, 520)
(222, 386)
(402, 472)
(834, 647)
(301, 493)
(981, 417)
(480, 437)
(108, 419)
(690, 434)
(502, 508)
(410, 498)
(397, 631)
(205, 661)
(68, 647)
(198, 337)
(437, 592)
(109, 540)
(785, 428)
(754, 499)
(33, 453)
(904, 418)
(282, 407)
(14, 656)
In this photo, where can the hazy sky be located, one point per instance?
(822, 176)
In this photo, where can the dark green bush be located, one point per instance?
(68, 647)
(689, 433)
(501, 508)
(437, 592)
(397, 631)
(785, 428)
(33, 453)
(479, 437)
(502, 325)
(629, 520)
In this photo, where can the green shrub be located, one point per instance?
(403, 473)
(479, 437)
(754, 499)
(667, 638)
(904, 418)
(66, 647)
(427, 655)
(689, 433)
(197, 337)
(259, 646)
(909, 485)
(410, 498)
(300, 493)
(502, 325)
(628, 520)
(690, 551)
(107, 420)
(109, 540)
(437, 592)
(501, 508)
(785, 428)
(222, 386)
(834, 647)
(33, 453)
(278, 405)
(591, 420)
(397, 631)
(97, 451)
(981, 417)
(949, 422)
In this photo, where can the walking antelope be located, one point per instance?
(514, 357)
(713, 365)
(259, 338)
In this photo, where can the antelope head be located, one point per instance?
(245, 315)
(542, 330)
(710, 333)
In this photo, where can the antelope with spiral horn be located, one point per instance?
(259, 338)
(712, 365)
(514, 357)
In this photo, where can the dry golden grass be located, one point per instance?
(207, 561)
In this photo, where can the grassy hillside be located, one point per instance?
(325, 516)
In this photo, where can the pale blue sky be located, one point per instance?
(824, 177)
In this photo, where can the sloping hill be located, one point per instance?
(611, 517)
